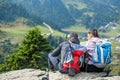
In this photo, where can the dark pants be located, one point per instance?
(91, 68)
(53, 62)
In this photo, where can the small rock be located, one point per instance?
(118, 48)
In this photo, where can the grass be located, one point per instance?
(81, 29)
(114, 45)
(116, 53)
(45, 30)
(77, 5)
(76, 29)
(91, 14)
(17, 32)
(111, 33)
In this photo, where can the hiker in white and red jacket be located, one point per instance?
(56, 58)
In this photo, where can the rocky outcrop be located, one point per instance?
(35, 74)
(25, 74)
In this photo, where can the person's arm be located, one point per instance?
(90, 47)
(57, 51)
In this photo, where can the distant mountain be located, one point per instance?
(52, 12)
(63, 13)
(94, 13)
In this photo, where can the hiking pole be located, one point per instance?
(86, 65)
(46, 74)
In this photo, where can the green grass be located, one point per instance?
(76, 29)
(45, 30)
(77, 5)
(116, 53)
(91, 14)
(111, 33)
(81, 29)
(18, 32)
(114, 45)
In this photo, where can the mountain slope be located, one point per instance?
(94, 13)
(52, 12)
(88, 13)
(10, 12)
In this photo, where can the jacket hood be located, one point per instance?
(75, 40)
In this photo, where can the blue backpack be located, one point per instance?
(102, 53)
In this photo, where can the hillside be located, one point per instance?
(10, 12)
(62, 13)
(51, 11)
(94, 13)
(18, 30)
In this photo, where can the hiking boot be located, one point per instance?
(45, 78)
(53, 70)
(71, 72)
(63, 72)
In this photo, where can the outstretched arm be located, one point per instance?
(57, 51)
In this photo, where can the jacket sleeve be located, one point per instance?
(57, 51)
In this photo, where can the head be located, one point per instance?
(93, 33)
(74, 38)
(74, 34)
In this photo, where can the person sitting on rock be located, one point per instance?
(56, 58)
(93, 38)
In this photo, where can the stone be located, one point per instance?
(36, 74)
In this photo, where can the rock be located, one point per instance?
(118, 48)
(25, 74)
(117, 38)
(35, 74)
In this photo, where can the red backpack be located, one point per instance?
(73, 59)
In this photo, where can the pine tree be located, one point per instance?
(32, 53)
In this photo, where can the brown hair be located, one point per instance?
(94, 32)
(73, 34)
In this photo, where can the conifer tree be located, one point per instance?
(32, 53)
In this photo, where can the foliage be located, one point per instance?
(55, 40)
(6, 48)
(16, 11)
(32, 53)
(52, 12)
(2, 34)
(9, 12)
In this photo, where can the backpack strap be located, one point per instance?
(108, 56)
(71, 48)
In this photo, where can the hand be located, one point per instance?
(70, 42)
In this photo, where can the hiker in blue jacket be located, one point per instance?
(56, 58)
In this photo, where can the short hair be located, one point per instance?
(73, 34)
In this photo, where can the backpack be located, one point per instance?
(73, 59)
(102, 53)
